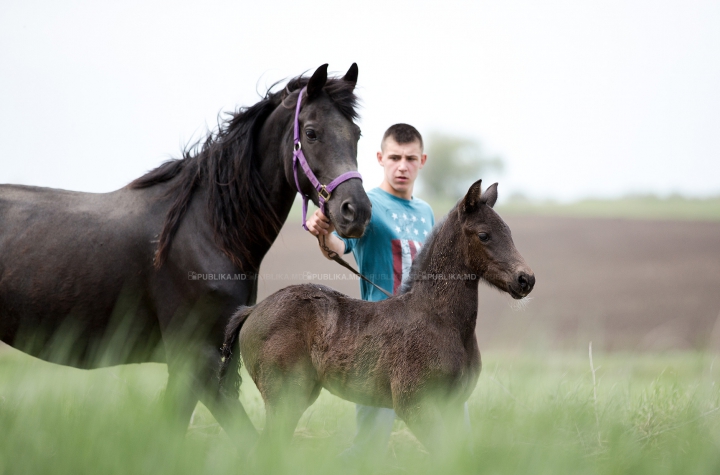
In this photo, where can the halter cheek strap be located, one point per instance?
(324, 191)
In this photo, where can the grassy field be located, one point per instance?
(631, 207)
(531, 413)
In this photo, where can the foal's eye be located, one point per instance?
(484, 237)
(310, 134)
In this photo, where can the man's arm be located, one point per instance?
(319, 225)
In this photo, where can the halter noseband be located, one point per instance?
(324, 191)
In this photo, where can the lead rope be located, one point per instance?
(334, 256)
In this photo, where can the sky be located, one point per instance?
(580, 98)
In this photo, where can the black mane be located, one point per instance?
(228, 164)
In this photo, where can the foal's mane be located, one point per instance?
(421, 261)
(227, 162)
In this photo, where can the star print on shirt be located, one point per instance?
(425, 233)
(404, 216)
(422, 220)
(414, 218)
(397, 229)
(415, 231)
(394, 216)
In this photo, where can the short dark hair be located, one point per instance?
(402, 133)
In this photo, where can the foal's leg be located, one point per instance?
(425, 421)
(284, 413)
(457, 422)
(439, 425)
(287, 394)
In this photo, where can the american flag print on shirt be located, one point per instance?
(403, 252)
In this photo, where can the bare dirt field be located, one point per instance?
(624, 284)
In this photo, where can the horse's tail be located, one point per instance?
(232, 330)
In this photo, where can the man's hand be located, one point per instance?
(319, 224)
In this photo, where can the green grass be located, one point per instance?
(632, 207)
(674, 207)
(532, 413)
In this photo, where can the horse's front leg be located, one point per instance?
(192, 377)
(192, 335)
(223, 403)
(178, 402)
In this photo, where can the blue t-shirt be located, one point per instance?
(395, 234)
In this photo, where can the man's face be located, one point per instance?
(401, 163)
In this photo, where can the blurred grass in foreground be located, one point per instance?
(531, 413)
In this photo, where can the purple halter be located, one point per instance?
(324, 191)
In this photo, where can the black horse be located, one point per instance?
(155, 270)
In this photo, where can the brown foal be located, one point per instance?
(415, 352)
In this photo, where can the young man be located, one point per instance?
(399, 225)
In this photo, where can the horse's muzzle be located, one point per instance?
(351, 215)
(352, 229)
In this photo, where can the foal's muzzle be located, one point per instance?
(523, 284)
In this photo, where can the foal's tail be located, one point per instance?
(232, 330)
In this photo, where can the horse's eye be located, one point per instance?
(484, 237)
(310, 134)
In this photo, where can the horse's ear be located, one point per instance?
(490, 195)
(352, 75)
(317, 81)
(472, 199)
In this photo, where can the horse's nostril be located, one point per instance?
(526, 281)
(348, 211)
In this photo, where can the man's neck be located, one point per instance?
(385, 186)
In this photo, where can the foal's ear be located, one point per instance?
(317, 81)
(352, 75)
(472, 199)
(490, 195)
